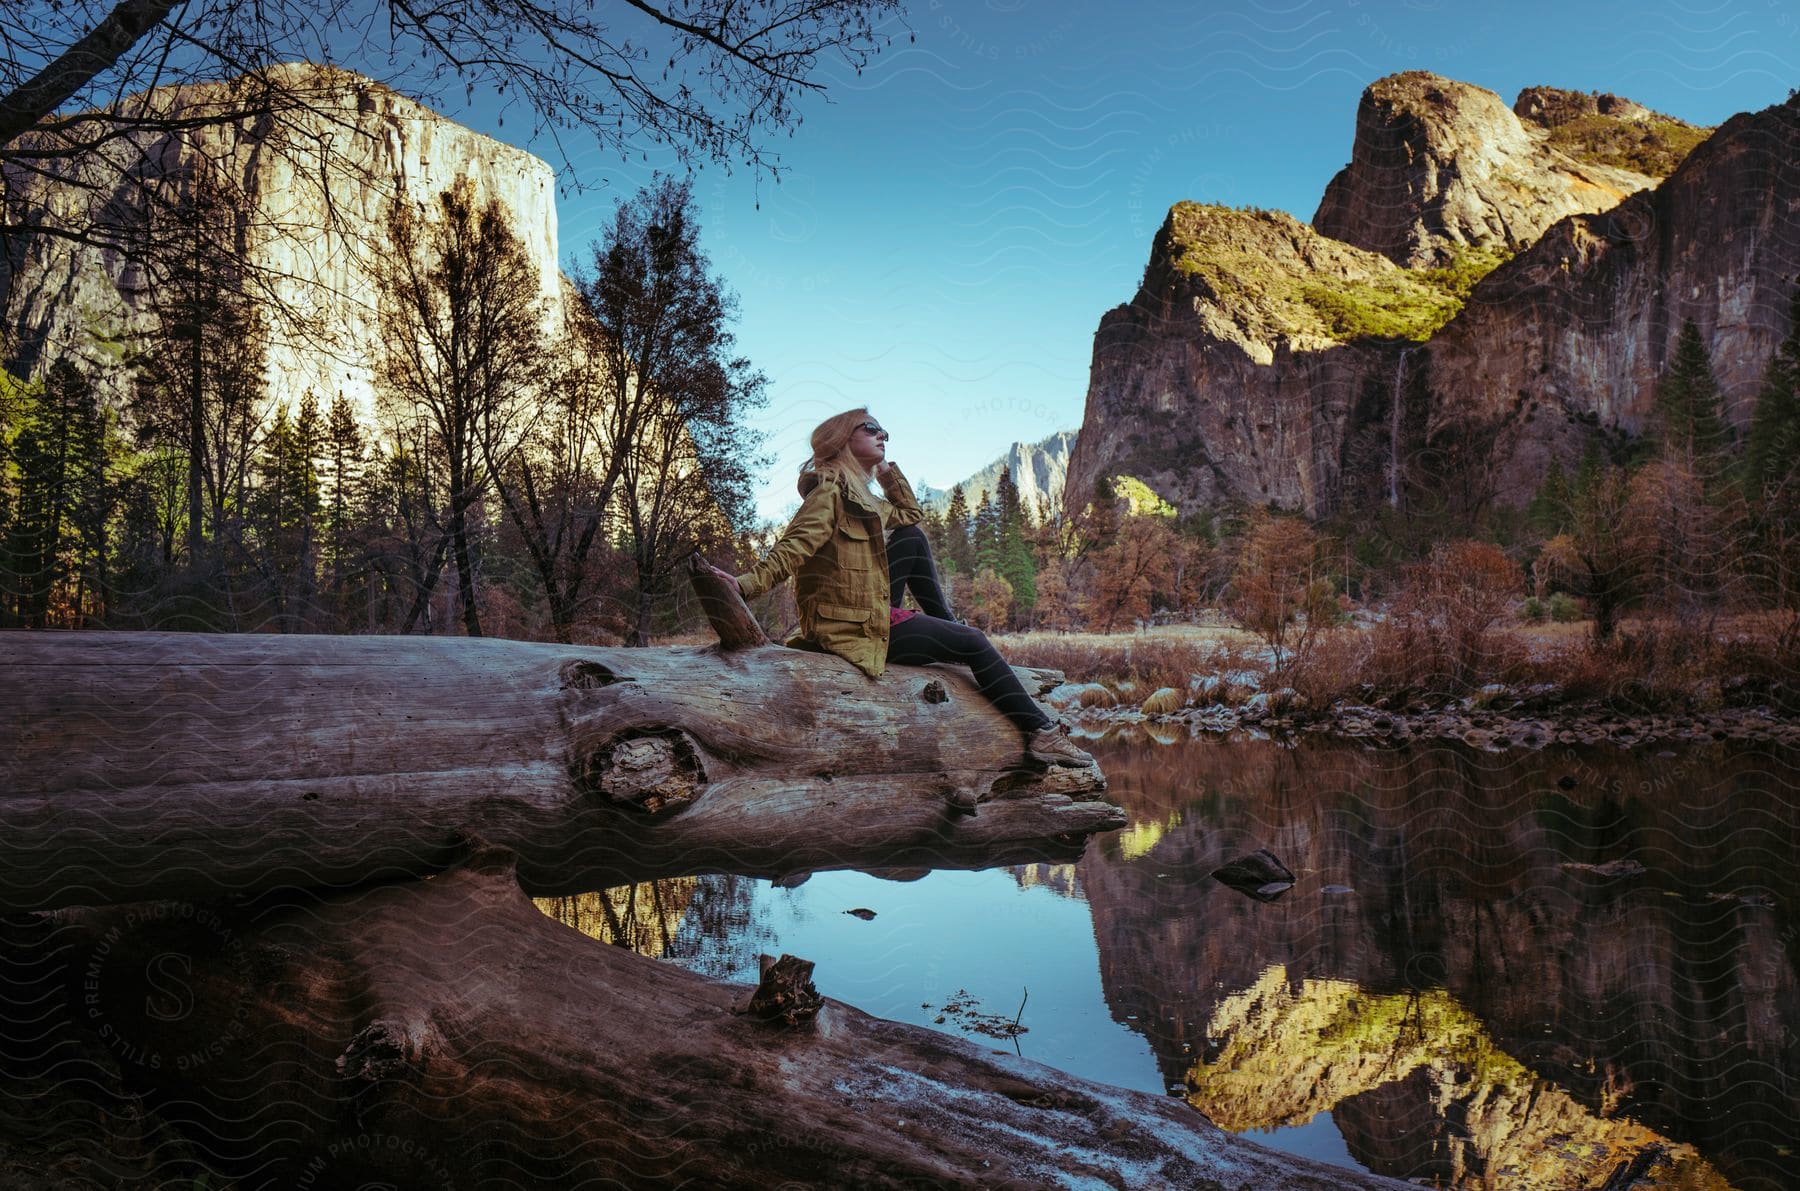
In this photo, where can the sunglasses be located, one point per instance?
(873, 428)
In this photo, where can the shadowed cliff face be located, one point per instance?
(1466, 1006)
(1573, 332)
(1223, 377)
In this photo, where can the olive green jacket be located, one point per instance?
(837, 555)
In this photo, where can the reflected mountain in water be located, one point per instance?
(1561, 1022)
(1417, 1070)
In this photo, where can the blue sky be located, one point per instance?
(954, 222)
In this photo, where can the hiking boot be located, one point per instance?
(1049, 745)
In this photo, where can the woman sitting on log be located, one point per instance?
(854, 555)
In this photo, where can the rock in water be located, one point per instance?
(1259, 875)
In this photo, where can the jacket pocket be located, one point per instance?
(852, 527)
(841, 612)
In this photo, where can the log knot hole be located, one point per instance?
(786, 993)
(657, 771)
(381, 1050)
(588, 676)
(934, 692)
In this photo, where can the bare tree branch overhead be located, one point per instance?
(707, 78)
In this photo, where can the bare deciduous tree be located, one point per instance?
(462, 321)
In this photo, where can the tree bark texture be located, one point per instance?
(732, 621)
(444, 1033)
(170, 765)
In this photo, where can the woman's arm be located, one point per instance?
(805, 534)
(899, 493)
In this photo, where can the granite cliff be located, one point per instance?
(1038, 470)
(1483, 288)
(1439, 165)
(1570, 336)
(311, 187)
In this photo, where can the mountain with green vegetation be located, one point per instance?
(1482, 290)
(1283, 279)
(1608, 130)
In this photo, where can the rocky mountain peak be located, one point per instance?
(1038, 471)
(1553, 107)
(1603, 129)
(1439, 166)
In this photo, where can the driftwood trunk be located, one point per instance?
(136, 766)
(444, 1034)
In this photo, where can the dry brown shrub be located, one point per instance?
(1149, 664)
(1338, 667)
(1280, 590)
(1438, 637)
(1162, 701)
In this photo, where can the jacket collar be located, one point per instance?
(855, 493)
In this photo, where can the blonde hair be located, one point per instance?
(831, 450)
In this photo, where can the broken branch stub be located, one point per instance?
(725, 609)
(786, 993)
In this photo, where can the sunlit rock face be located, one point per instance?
(1267, 362)
(1467, 1114)
(1439, 165)
(1574, 331)
(1221, 378)
(315, 181)
(1435, 940)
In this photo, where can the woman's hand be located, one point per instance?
(882, 469)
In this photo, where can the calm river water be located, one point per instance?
(1450, 992)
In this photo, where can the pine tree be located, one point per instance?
(1774, 445)
(985, 536)
(59, 524)
(1687, 400)
(959, 551)
(1549, 506)
(1102, 517)
(1017, 565)
(1772, 469)
(343, 469)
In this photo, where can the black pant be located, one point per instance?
(934, 636)
(910, 568)
(925, 639)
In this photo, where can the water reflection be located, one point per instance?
(1455, 983)
(1474, 1007)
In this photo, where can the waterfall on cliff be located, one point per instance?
(1394, 409)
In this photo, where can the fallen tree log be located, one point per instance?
(136, 766)
(444, 1033)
